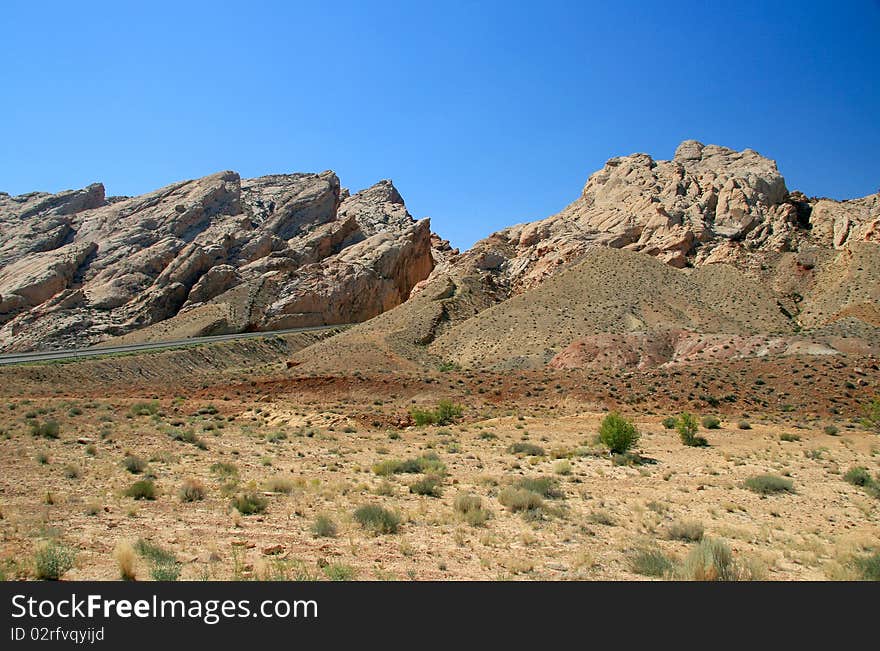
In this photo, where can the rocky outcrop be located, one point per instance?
(216, 254)
(707, 204)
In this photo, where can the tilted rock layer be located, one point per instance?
(711, 243)
(708, 204)
(214, 255)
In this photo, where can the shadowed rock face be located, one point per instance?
(212, 255)
(708, 204)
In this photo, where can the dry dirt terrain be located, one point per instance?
(314, 449)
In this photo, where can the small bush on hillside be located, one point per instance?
(376, 519)
(871, 419)
(134, 464)
(249, 503)
(430, 486)
(427, 463)
(520, 499)
(831, 430)
(689, 531)
(687, 427)
(669, 422)
(650, 562)
(858, 476)
(52, 560)
(48, 430)
(470, 508)
(324, 527)
(144, 408)
(618, 434)
(224, 469)
(543, 486)
(144, 489)
(869, 567)
(768, 484)
(712, 560)
(445, 413)
(339, 572)
(744, 424)
(192, 490)
(279, 485)
(164, 565)
(529, 449)
(711, 422)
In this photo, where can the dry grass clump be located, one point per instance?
(689, 531)
(125, 558)
(712, 560)
(470, 509)
(376, 519)
(192, 490)
(769, 484)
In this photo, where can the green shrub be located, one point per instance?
(768, 484)
(869, 567)
(48, 430)
(650, 562)
(448, 412)
(427, 463)
(687, 427)
(377, 519)
(831, 430)
(224, 469)
(134, 464)
(529, 449)
(249, 503)
(712, 560)
(324, 527)
(164, 565)
(689, 531)
(52, 560)
(858, 476)
(669, 422)
(189, 436)
(711, 422)
(744, 424)
(618, 434)
(144, 489)
(871, 419)
(340, 572)
(445, 413)
(144, 408)
(788, 437)
(429, 486)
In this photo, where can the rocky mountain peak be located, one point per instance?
(211, 255)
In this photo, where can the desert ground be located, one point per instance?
(515, 487)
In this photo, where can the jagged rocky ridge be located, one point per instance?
(709, 204)
(214, 255)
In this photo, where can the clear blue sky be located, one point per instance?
(484, 114)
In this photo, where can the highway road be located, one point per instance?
(94, 351)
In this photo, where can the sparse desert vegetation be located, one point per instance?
(516, 486)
